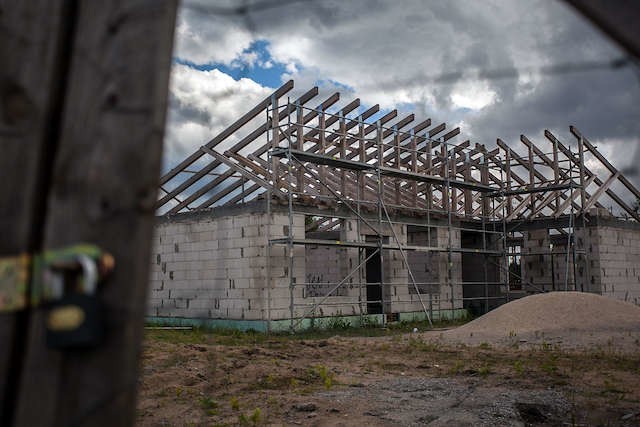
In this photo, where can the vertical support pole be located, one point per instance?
(414, 168)
(343, 154)
(323, 148)
(429, 188)
(396, 146)
(532, 177)
(505, 235)
(290, 231)
(380, 202)
(556, 171)
(468, 195)
(581, 174)
(362, 272)
(444, 172)
(299, 146)
(508, 180)
(582, 214)
(484, 178)
(570, 236)
(447, 205)
(362, 178)
(268, 277)
(275, 139)
(454, 190)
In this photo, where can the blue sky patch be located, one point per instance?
(261, 67)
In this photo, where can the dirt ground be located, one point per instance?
(395, 378)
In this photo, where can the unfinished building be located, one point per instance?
(300, 215)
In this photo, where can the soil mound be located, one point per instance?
(575, 318)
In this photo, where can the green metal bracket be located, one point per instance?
(17, 272)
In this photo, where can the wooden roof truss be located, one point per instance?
(325, 154)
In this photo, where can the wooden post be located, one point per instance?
(85, 95)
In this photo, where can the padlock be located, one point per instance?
(76, 319)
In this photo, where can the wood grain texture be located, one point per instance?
(103, 191)
(31, 35)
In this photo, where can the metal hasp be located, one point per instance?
(31, 280)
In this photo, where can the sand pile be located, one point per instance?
(572, 318)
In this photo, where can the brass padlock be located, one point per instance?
(76, 318)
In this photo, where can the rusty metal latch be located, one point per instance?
(41, 270)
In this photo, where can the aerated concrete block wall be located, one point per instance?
(215, 267)
(615, 260)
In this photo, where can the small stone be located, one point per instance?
(306, 407)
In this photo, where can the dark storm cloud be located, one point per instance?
(432, 54)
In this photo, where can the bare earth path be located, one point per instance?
(500, 369)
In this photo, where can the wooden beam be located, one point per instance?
(234, 127)
(238, 146)
(594, 198)
(593, 150)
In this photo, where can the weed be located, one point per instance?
(484, 346)
(457, 367)
(325, 376)
(250, 420)
(483, 371)
(234, 403)
(369, 322)
(518, 367)
(338, 323)
(209, 405)
(320, 373)
(549, 366)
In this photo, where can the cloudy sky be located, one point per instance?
(487, 66)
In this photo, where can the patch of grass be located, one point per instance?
(612, 388)
(418, 344)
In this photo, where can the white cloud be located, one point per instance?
(207, 39)
(473, 95)
(203, 103)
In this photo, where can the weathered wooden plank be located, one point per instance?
(103, 191)
(33, 50)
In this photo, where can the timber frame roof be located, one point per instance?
(325, 155)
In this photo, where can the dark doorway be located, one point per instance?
(374, 279)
